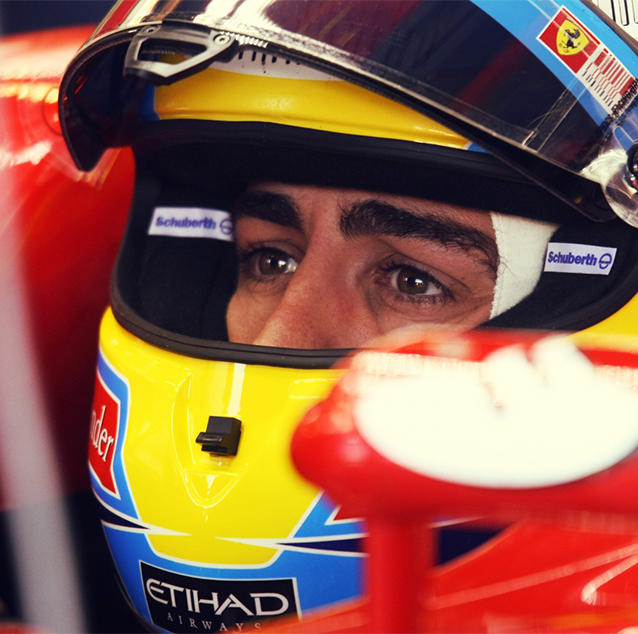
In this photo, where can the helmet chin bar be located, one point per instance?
(196, 44)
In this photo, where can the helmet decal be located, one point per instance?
(582, 52)
(191, 222)
(108, 428)
(579, 258)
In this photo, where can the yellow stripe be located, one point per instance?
(334, 106)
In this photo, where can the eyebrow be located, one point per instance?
(373, 217)
(276, 208)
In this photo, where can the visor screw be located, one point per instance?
(221, 38)
(632, 166)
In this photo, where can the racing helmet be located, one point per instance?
(484, 105)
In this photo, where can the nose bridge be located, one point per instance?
(307, 315)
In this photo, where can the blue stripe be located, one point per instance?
(527, 21)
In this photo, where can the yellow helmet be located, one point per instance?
(208, 522)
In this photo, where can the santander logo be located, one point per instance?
(103, 436)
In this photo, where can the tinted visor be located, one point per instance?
(548, 88)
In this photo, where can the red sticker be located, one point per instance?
(103, 436)
(570, 40)
(582, 52)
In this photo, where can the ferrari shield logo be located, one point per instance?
(570, 39)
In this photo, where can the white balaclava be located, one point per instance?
(522, 244)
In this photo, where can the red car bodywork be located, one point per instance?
(59, 234)
(68, 225)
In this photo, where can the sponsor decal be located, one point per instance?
(181, 603)
(607, 79)
(191, 222)
(564, 257)
(103, 435)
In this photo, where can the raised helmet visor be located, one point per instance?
(570, 124)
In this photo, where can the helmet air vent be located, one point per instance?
(221, 436)
(164, 54)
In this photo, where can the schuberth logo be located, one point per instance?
(180, 603)
(191, 222)
(103, 435)
(565, 257)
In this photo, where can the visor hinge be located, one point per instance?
(163, 54)
(632, 165)
(221, 436)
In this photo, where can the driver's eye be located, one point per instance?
(274, 262)
(413, 282)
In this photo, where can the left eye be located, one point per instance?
(413, 282)
(275, 262)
